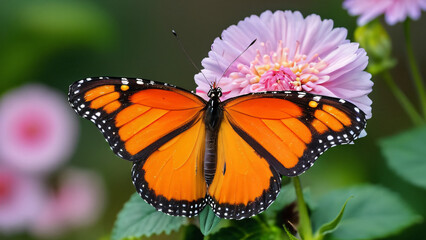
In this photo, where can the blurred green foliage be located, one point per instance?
(39, 29)
(406, 153)
(376, 41)
(59, 42)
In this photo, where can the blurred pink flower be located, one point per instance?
(78, 202)
(21, 198)
(394, 10)
(37, 128)
(291, 53)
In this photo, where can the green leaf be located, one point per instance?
(331, 226)
(208, 220)
(290, 236)
(248, 229)
(137, 218)
(406, 155)
(374, 212)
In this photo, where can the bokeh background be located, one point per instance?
(55, 43)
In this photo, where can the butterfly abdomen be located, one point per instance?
(210, 156)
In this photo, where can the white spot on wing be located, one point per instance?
(124, 81)
(316, 98)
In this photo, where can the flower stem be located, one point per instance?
(418, 81)
(403, 100)
(305, 229)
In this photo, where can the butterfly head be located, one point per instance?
(215, 92)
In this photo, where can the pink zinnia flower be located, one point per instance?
(291, 53)
(37, 129)
(21, 198)
(78, 202)
(394, 10)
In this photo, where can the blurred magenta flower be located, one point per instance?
(21, 198)
(291, 53)
(394, 10)
(78, 202)
(37, 129)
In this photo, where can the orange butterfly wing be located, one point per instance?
(291, 129)
(136, 116)
(244, 183)
(157, 126)
(172, 178)
(267, 134)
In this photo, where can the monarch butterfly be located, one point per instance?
(188, 152)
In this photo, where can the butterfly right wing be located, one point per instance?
(172, 178)
(135, 116)
(265, 135)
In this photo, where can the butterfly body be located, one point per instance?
(188, 152)
(213, 118)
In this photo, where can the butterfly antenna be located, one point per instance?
(217, 61)
(226, 70)
(187, 55)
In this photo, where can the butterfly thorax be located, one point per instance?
(213, 117)
(214, 112)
